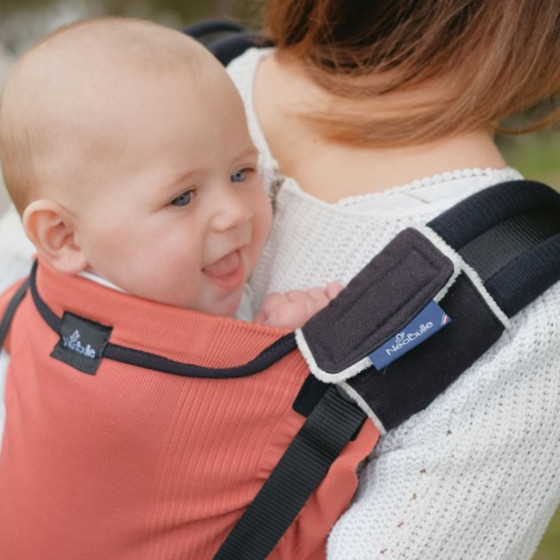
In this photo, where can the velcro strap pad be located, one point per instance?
(375, 306)
(412, 382)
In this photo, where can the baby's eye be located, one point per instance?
(183, 199)
(239, 176)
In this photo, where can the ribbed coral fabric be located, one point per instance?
(137, 464)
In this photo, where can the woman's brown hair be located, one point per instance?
(478, 61)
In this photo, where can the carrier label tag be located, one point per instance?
(81, 343)
(428, 322)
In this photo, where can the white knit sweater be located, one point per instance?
(475, 476)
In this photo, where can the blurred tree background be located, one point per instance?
(22, 22)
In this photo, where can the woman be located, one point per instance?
(370, 117)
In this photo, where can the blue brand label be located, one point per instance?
(428, 322)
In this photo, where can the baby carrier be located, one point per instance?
(109, 424)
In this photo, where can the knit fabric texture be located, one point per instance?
(475, 476)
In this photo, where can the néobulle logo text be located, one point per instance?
(74, 343)
(403, 339)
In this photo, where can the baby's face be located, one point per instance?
(181, 216)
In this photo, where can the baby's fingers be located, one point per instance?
(332, 289)
(274, 301)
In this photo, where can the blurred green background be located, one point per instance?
(537, 156)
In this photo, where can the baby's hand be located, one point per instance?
(292, 309)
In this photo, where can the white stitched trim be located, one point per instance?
(356, 397)
(322, 375)
(461, 265)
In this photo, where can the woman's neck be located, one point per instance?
(331, 170)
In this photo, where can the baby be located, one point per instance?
(136, 429)
(125, 149)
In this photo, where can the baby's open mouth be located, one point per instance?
(227, 271)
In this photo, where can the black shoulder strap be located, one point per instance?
(327, 430)
(225, 40)
(480, 263)
(509, 235)
(10, 311)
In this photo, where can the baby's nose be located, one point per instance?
(232, 212)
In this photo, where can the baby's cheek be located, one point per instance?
(263, 216)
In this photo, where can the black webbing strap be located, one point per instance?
(11, 309)
(207, 30)
(509, 234)
(301, 469)
(224, 39)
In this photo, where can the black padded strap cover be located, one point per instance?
(392, 289)
(412, 382)
(505, 243)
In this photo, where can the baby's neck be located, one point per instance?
(243, 312)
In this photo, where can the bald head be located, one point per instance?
(63, 103)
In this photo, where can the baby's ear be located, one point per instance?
(48, 226)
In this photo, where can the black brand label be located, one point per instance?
(81, 343)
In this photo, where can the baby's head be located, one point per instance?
(125, 148)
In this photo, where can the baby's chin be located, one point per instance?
(226, 305)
